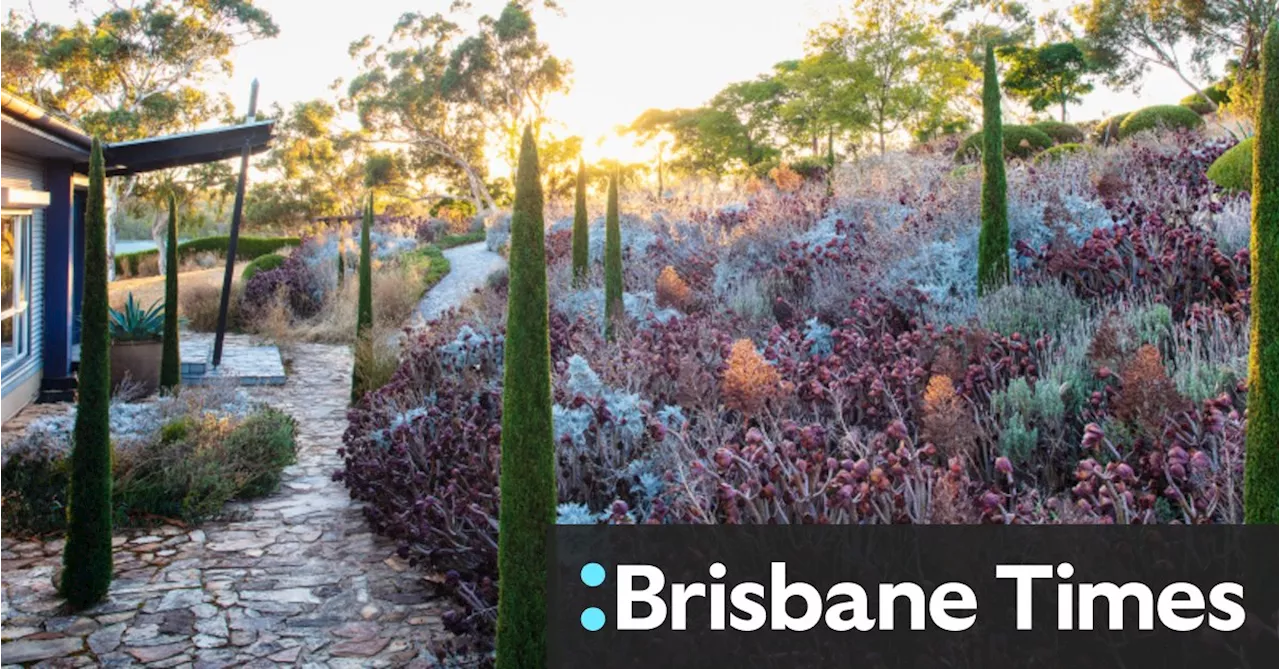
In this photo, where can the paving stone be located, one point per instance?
(32, 650)
(296, 578)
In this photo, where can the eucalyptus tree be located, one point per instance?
(130, 70)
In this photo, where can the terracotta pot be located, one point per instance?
(139, 360)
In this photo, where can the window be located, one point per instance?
(16, 301)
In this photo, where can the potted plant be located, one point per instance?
(137, 344)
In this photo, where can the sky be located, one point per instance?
(627, 55)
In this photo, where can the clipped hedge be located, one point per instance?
(247, 248)
(1061, 133)
(1108, 129)
(1233, 170)
(1166, 117)
(1020, 141)
(261, 264)
(1059, 152)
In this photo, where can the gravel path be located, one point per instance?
(469, 266)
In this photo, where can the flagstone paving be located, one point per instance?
(294, 579)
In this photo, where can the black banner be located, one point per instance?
(914, 596)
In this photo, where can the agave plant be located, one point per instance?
(134, 323)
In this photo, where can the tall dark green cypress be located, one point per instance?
(364, 306)
(528, 483)
(1261, 475)
(613, 306)
(581, 234)
(993, 241)
(86, 558)
(170, 362)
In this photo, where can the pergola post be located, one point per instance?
(236, 212)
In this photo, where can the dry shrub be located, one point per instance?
(787, 179)
(199, 306)
(672, 291)
(753, 186)
(945, 421)
(749, 380)
(376, 358)
(1147, 394)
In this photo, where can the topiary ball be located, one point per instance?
(1233, 170)
(1061, 133)
(1160, 117)
(1020, 141)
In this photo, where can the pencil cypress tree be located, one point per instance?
(170, 362)
(993, 241)
(581, 234)
(612, 260)
(364, 307)
(342, 265)
(527, 481)
(86, 558)
(1260, 469)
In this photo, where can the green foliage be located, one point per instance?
(427, 262)
(272, 261)
(1216, 93)
(1160, 117)
(247, 248)
(1108, 130)
(450, 241)
(170, 361)
(613, 287)
(364, 304)
(87, 566)
(1059, 152)
(134, 323)
(993, 239)
(1233, 170)
(1261, 475)
(581, 239)
(1060, 133)
(1020, 141)
(1050, 75)
(1030, 311)
(527, 472)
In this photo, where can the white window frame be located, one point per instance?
(20, 312)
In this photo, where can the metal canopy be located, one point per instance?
(191, 148)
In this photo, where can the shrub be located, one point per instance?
(1059, 152)
(1261, 476)
(267, 262)
(170, 364)
(786, 179)
(293, 280)
(811, 168)
(1160, 117)
(749, 380)
(528, 476)
(199, 306)
(1061, 133)
(1020, 141)
(144, 263)
(993, 239)
(460, 239)
(1233, 170)
(87, 560)
(1108, 129)
(581, 232)
(671, 291)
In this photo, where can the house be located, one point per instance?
(43, 163)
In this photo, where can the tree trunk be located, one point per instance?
(1064, 110)
(160, 235)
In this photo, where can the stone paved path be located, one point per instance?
(470, 265)
(295, 579)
